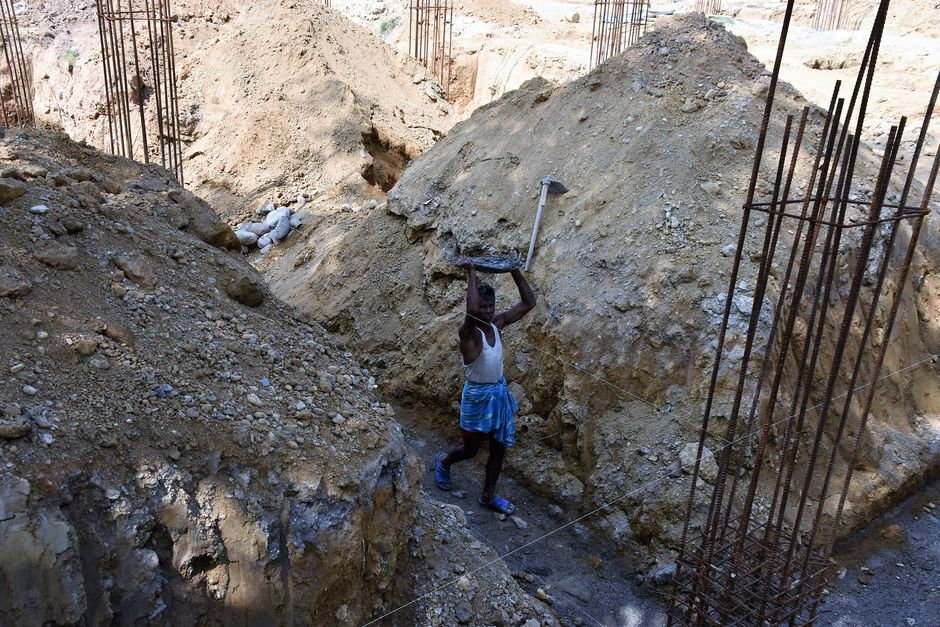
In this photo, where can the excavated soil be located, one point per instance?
(278, 99)
(177, 445)
(611, 368)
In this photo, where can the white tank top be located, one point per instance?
(488, 367)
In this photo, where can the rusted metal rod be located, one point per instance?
(617, 24)
(767, 529)
(16, 109)
(431, 38)
(138, 62)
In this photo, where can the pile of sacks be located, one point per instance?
(276, 224)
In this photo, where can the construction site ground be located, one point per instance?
(219, 443)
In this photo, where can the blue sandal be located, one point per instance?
(499, 504)
(441, 474)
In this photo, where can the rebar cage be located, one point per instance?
(833, 15)
(617, 25)
(831, 263)
(136, 38)
(430, 37)
(16, 95)
(708, 7)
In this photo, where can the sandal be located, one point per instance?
(441, 474)
(499, 504)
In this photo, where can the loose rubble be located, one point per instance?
(169, 434)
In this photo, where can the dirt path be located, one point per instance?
(887, 574)
(587, 582)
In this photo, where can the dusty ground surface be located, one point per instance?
(664, 183)
(889, 572)
(177, 445)
(578, 569)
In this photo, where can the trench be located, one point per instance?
(887, 573)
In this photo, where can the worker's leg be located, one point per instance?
(468, 450)
(494, 466)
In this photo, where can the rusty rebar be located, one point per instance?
(16, 97)
(138, 62)
(762, 555)
(708, 7)
(834, 15)
(617, 24)
(431, 38)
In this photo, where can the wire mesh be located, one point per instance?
(430, 37)
(16, 99)
(136, 38)
(830, 275)
(617, 25)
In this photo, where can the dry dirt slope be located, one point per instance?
(656, 147)
(178, 446)
(277, 97)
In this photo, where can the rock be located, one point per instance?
(554, 511)
(29, 390)
(264, 241)
(245, 288)
(280, 230)
(59, 256)
(203, 222)
(119, 333)
(258, 228)
(708, 469)
(572, 17)
(246, 237)
(690, 106)
(39, 209)
(728, 250)
(12, 286)
(85, 345)
(273, 218)
(521, 524)
(299, 219)
(14, 428)
(137, 268)
(265, 209)
(11, 189)
(711, 187)
(72, 226)
(99, 362)
(761, 87)
(459, 494)
(663, 575)
(463, 613)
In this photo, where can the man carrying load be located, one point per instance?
(487, 407)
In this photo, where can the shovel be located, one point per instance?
(549, 185)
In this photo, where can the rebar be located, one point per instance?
(762, 553)
(430, 38)
(617, 25)
(16, 93)
(138, 61)
(834, 15)
(708, 7)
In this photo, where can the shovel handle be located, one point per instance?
(535, 227)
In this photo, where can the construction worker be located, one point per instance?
(487, 407)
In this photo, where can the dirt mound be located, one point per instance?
(277, 99)
(612, 367)
(176, 442)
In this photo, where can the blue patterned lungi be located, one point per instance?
(489, 408)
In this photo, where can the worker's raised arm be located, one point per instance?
(524, 306)
(473, 296)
